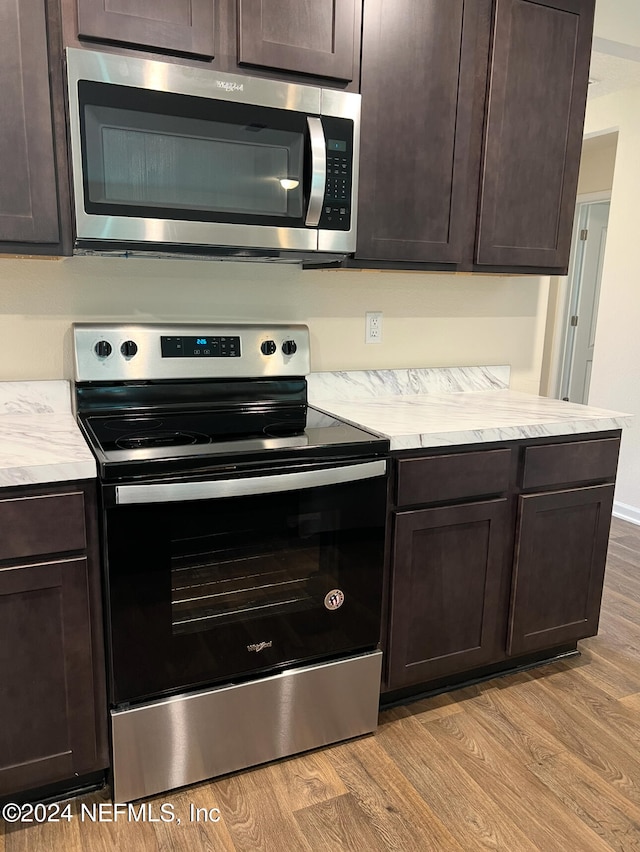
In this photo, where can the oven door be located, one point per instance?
(212, 582)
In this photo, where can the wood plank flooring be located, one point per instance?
(544, 760)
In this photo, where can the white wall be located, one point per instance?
(615, 381)
(597, 164)
(429, 320)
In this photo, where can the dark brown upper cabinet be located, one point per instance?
(178, 27)
(28, 199)
(316, 37)
(422, 84)
(299, 40)
(472, 117)
(533, 136)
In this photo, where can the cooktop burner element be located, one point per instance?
(160, 439)
(196, 398)
(127, 424)
(175, 429)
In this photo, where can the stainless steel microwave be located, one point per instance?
(173, 159)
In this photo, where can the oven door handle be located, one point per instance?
(172, 492)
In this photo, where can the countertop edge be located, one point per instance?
(507, 433)
(47, 474)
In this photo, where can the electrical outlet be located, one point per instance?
(373, 327)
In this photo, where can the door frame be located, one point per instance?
(562, 331)
(576, 285)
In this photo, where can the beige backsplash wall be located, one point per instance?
(429, 319)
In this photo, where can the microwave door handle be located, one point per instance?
(318, 171)
(160, 492)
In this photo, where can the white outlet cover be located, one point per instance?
(373, 327)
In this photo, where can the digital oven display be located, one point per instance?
(200, 347)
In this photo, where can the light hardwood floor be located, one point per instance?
(545, 760)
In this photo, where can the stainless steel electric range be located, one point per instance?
(242, 542)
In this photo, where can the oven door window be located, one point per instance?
(159, 155)
(208, 591)
(230, 577)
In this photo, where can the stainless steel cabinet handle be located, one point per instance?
(172, 492)
(318, 171)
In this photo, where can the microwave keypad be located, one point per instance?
(337, 202)
(338, 178)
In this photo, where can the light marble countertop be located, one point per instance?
(445, 407)
(39, 439)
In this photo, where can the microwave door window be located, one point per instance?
(164, 166)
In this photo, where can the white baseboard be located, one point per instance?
(626, 513)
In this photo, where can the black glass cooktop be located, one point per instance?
(147, 430)
(185, 443)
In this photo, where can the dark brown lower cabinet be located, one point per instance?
(497, 556)
(448, 564)
(52, 691)
(558, 568)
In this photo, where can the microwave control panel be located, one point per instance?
(336, 209)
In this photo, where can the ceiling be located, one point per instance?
(615, 56)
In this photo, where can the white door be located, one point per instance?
(585, 293)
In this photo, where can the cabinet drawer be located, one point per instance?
(573, 461)
(452, 477)
(31, 526)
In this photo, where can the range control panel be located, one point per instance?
(205, 346)
(147, 352)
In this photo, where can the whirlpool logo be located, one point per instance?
(230, 87)
(259, 646)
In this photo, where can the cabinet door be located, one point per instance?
(447, 572)
(561, 549)
(423, 86)
(28, 197)
(186, 26)
(47, 711)
(533, 134)
(305, 36)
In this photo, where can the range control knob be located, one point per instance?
(289, 347)
(268, 347)
(129, 348)
(103, 349)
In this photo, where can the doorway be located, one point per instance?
(584, 293)
(573, 299)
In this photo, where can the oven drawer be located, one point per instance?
(33, 526)
(320, 704)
